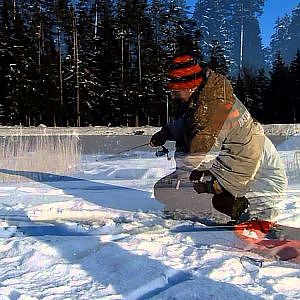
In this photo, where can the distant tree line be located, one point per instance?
(274, 98)
(104, 62)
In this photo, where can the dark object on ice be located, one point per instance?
(139, 132)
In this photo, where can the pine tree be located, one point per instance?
(245, 89)
(176, 26)
(240, 88)
(17, 65)
(132, 27)
(211, 19)
(234, 24)
(7, 64)
(82, 55)
(102, 65)
(159, 99)
(33, 17)
(63, 20)
(45, 28)
(24, 87)
(253, 51)
(286, 37)
(253, 89)
(178, 35)
(245, 32)
(217, 59)
(280, 38)
(280, 98)
(293, 44)
(295, 87)
(263, 114)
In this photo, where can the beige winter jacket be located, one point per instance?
(216, 121)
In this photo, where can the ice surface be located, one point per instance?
(110, 199)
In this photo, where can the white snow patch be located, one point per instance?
(121, 252)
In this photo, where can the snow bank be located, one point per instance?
(270, 129)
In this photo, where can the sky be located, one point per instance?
(273, 9)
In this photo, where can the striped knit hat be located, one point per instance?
(185, 73)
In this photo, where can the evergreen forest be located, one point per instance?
(104, 62)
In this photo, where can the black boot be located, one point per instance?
(240, 206)
(230, 205)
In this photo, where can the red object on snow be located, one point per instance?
(257, 234)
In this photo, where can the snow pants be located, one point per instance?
(177, 193)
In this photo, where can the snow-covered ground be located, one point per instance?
(270, 129)
(110, 240)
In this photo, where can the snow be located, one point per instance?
(270, 129)
(113, 243)
(78, 131)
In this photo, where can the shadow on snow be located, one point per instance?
(130, 274)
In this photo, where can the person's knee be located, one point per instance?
(163, 187)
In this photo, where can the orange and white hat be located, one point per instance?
(185, 73)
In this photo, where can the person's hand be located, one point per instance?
(202, 181)
(159, 138)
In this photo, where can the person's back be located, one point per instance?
(268, 188)
(221, 122)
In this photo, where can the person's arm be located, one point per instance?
(173, 131)
(205, 128)
(176, 129)
(215, 108)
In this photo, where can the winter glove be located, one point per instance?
(202, 181)
(160, 137)
(200, 187)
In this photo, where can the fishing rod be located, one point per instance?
(164, 151)
(158, 153)
(123, 151)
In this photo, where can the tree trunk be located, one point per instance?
(75, 41)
